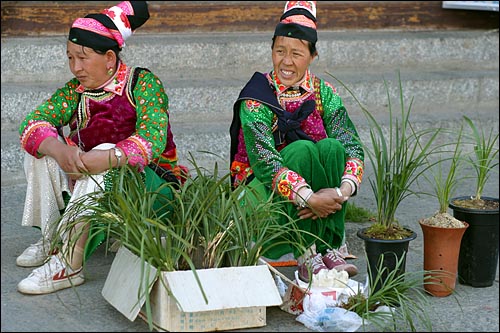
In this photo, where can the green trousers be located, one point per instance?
(322, 165)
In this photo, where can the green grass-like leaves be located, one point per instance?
(398, 157)
(204, 224)
(404, 295)
(485, 155)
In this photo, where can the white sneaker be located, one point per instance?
(52, 276)
(35, 255)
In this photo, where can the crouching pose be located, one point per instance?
(291, 136)
(114, 114)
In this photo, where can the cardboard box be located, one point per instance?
(237, 296)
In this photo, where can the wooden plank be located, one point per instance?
(43, 18)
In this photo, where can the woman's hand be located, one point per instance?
(322, 203)
(67, 157)
(75, 162)
(99, 160)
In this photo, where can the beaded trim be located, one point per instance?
(291, 93)
(94, 94)
(317, 93)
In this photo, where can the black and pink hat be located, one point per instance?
(298, 21)
(111, 27)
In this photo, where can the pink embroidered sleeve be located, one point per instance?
(137, 151)
(287, 183)
(33, 135)
(354, 170)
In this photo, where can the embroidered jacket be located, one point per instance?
(255, 133)
(133, 116)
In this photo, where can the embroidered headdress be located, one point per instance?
(298, 21)
(111, 27)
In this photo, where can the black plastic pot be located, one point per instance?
(478, 258)
(392, 251)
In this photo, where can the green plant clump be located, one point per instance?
(398, 159)
(201, 224)
(402, 293)
(444, 187)
(356, 213)
(485, 156)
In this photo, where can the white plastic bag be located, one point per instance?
(331, 319)
(322, 314)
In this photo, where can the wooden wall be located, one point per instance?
(45, 18)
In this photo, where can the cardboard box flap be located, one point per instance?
(123, 283)
(228, 287)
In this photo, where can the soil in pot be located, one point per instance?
(471, 203)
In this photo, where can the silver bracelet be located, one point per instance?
(351, 183)
(339, 192)
(303, 204)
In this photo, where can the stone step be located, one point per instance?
(454, 68)
(211, 100)
(222, 55)
(448, 73)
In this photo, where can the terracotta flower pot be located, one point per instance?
(441, 252)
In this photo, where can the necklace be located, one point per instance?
(79, 120)
(292, 93)
(81, 115)
(94, 93)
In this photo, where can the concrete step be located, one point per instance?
(440, 67)
(448, 73)
(224, 55)
(211, 100)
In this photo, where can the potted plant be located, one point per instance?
(442, 232)
(478, 259)
(398, 159)
(398, 305)
(200, 225)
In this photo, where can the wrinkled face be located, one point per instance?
(89, 67)
(291, 59)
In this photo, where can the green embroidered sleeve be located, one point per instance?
(338, 125)
(256, 122)
(152, 111)
(266, 161)
(42, 122)
(58, 109)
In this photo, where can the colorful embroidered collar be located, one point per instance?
(281, 88)
(115, 84)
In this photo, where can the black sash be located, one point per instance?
(258, 89)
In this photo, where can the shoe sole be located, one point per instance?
(55, 286)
